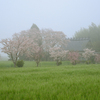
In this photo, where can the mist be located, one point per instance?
(67, 16)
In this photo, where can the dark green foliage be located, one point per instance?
(88, 62)
(34, 26)
(20, 63)
(59, 63)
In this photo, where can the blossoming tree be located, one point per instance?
(73, 57)
(58, 54)
(35, 51)
(52, 40)
(89, 55)
(15, 46)
(97, 58)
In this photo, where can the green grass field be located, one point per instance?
(49, 82)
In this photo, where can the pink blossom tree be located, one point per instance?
(97, 58)
(35, 51)
(38, 55)
(54, 43)
(15, 46)
(89, 55)
(52, 39)
(73, 57)
(58, 54)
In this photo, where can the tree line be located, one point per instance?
(46, 44)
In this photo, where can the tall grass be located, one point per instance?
(50, 82)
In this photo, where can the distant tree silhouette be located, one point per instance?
(34, 26)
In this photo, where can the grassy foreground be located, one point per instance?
(49, 82)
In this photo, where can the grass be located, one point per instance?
(49, 82)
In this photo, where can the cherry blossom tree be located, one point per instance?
(35, 51)
(16, 46)
(52, 39)
(54, 43)
(57, 54)
(97, 58)
(73, 57)
(89, 55)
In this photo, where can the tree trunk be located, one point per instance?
(37, 64)
(14, 64)
(14, 61)
(57, 63)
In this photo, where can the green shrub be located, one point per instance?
(20, 63)
(88, 62)
(59, 63)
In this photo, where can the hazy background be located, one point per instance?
(60, 15)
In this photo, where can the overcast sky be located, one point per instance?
(60, 15)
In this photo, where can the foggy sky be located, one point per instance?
(60, 15)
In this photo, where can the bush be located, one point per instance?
(97, 58)
(88, 62)
(59, 63)
(73, 57)
(91, 60)
(20, 63)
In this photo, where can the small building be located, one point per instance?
(77, 44)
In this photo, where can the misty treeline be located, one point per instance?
(93, 33)
(47, 45)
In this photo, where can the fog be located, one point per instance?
(67, 16)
